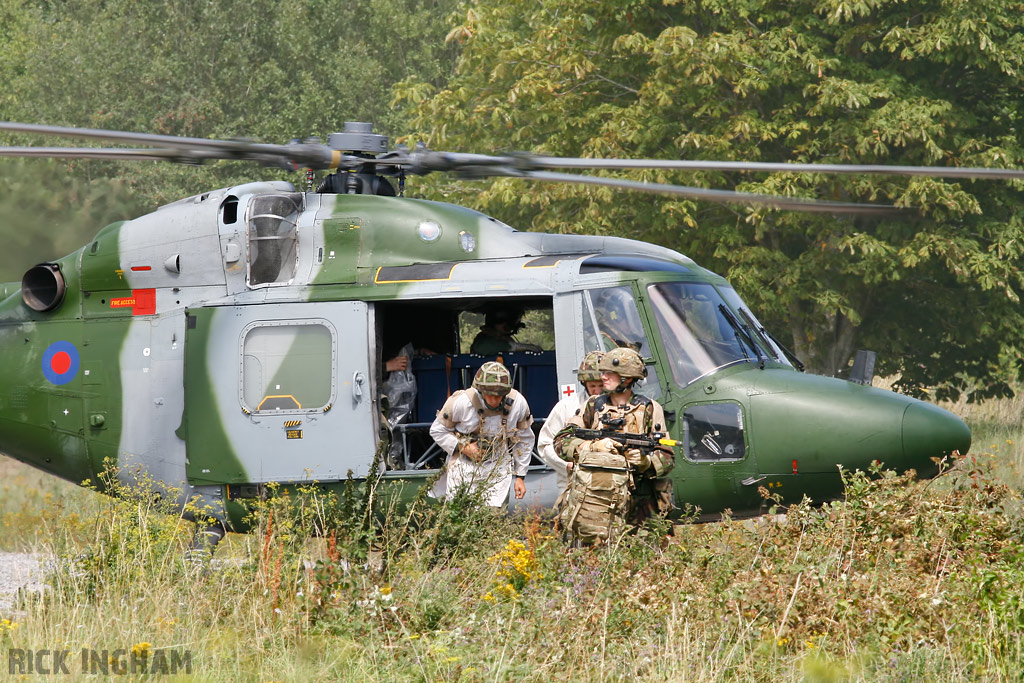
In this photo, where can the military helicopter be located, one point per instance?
(239, 337)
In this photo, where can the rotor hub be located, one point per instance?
(358, 137)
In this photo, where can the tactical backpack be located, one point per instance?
(593, 508)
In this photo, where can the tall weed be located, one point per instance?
(901, 580)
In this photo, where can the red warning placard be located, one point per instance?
(142, 302)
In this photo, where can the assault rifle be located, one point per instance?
(644, 442)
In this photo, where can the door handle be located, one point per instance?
(357, 386)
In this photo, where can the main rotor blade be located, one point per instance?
(318, 156)
(89, 153)
(136, 138)
(720, 196)
(767, 167)
(197, 150)
(422, 161)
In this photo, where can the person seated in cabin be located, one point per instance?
(399, 384)
(399, 387)
(497, 335)
(486, 432)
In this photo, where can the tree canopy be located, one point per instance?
(833, 81)
(934, 290)
(257, 69)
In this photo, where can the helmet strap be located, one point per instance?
(624, 384)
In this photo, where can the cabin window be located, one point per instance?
(273, 238)
(288, 366)
(713, 431)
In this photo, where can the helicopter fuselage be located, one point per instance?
(237, 338)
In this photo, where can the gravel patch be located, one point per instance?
(20, 570)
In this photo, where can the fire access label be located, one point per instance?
(142, 302)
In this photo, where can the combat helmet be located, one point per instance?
(624, 361)
(512, 318)
(493, 378)
(589, 370)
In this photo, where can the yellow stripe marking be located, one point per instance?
(298, 405)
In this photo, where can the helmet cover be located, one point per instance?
(589, 370)
(493, 378)
(624, 361)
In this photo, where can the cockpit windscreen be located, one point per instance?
(699, 332)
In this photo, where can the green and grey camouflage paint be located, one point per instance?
(173, 353)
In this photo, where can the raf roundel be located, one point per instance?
(60, 362)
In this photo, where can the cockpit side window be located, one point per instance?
(273, 238)
(611, 319)
(713, 431)
(611, 315)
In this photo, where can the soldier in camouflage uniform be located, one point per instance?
(589, 376)
(486, 432)
(619, 408)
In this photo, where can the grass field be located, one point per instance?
(901, 581)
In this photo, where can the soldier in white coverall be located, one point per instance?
(590, 378)
(486, 432)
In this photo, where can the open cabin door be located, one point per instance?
(279, 393)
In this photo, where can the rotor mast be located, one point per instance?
(357, 141)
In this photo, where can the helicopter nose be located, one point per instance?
(929, 432)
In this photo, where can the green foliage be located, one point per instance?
(902, 580)
(872, 81)
(42, 222)
(140, 526)
(265, 70)
(879, 82)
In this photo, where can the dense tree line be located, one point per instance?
(258, 69)
(934, 290)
